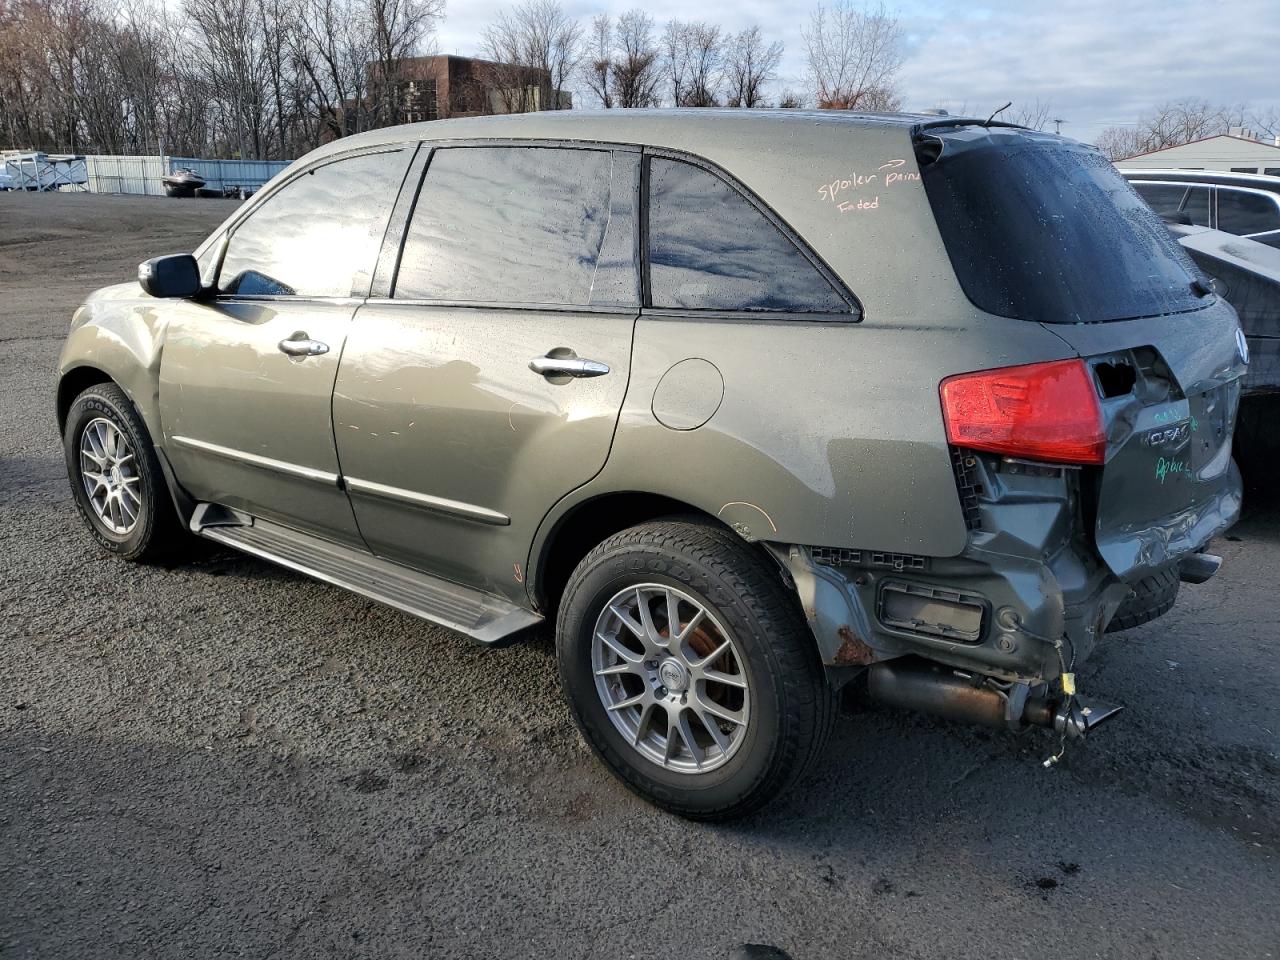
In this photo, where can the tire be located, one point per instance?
(1152, 597)
(774, 685)
(145, 527)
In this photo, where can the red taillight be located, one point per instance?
(1042, 411)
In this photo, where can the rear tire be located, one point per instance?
(645, 704)
(1152, 597)
(116, 479)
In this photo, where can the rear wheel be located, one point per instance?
(115, 477)
(690, 669)
(1152, 597)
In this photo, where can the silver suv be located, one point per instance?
(1245, 204)
(749, 405)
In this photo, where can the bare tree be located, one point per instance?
(1035, 114)
(1266, 123)
(598, 60)
(675, 58)
(535, 48)
(1170, 125)
(792, 100)
(635, 70)
(749, 65)
(854, 55)
(400, 29)
(706, 65)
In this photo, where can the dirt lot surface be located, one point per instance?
(226, 759)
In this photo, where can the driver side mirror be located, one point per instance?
(176, 276)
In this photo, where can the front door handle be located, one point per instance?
(568, 367)
(300, 345)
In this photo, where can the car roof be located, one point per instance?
(637, 125)
(1257, 181)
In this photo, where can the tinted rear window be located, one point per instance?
(1043, 229)
(711, 249)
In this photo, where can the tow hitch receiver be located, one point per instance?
(960, 695)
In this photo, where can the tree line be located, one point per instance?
(1179, 122)
(257, 79)
(271, 79)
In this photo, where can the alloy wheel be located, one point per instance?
(110, 476)
(671, 678)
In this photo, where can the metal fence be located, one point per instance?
(142, 174)
(231, 174)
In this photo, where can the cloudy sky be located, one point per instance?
(1097, 62)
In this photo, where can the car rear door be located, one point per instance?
(483, 382)
(246, 376)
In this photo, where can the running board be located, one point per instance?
(484, 617)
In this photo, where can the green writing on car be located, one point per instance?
(1166, 467)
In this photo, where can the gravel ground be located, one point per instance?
(226, 759)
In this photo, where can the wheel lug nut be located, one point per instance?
(662, 691)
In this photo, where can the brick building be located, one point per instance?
(434, 88)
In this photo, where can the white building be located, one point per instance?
(1236, 152)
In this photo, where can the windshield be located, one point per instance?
(1044, 229)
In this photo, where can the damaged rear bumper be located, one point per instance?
(1028, 599)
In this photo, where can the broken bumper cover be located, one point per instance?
(998, 621)
(1036, 585)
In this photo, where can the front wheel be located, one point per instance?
(115, 477)
(690, 670)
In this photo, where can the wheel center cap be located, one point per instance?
(673, 675)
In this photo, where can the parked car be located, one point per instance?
(1247, 275)
(748, 404)
(1245, 204)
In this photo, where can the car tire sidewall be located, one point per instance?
(750, 764)
(97, 403)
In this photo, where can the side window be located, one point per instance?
(524, 225)
(1244, 213)
(1164, 198)
(1196, 206)
(314, 235)
(711, 249)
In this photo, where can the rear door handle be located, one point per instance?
(300, 345)
(568, 367)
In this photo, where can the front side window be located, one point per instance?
(315, 234)
(711, 249)
(524, 225)
(1243, 213)
(1196, 206)
(1164, 198)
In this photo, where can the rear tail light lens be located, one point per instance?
(1041, 411)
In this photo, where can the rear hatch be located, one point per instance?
(1043, 229)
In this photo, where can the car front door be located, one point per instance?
(246, 376)
(487, 383)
